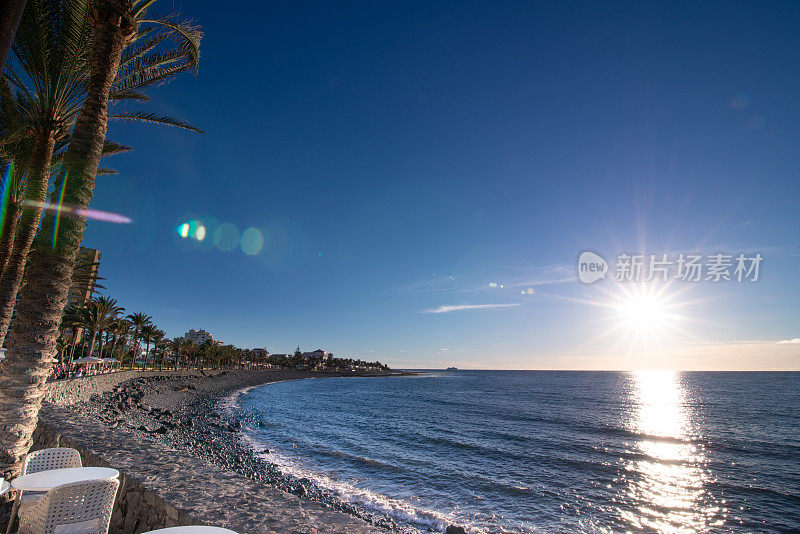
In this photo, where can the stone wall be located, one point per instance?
(136, 508)
(66, 392)
(74, 390)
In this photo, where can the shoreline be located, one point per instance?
(185, 415)
(376, 509)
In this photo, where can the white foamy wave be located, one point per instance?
(230, 403)
(404, 512)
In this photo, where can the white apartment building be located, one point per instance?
(198, 337)
(317, 355)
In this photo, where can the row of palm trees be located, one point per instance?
(75, 65)
(102, 329)
(100, 324)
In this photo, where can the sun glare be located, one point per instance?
(644, 312)
(645, 316)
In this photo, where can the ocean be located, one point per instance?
(544, 451)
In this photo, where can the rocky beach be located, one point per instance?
(169, 433)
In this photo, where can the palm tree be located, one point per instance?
(149, 332)
(52, 48)
(75, 319)
(10, 13)
(100, 313)
(139, 321)
(61, 345)
(120, 328)
(108, 312)
(48, 47)
(158, 348)
(192, 352)
(177, 345)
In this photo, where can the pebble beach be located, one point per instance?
(171, 430)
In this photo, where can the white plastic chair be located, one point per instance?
(45, 460)
(191, 529)
(78, 508)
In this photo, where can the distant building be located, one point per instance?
(260, 353)
(318, 355)
(84, 276)
(198, 337)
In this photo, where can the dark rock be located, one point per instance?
(161, 430)
(452, 529)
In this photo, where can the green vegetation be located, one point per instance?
(71, 59)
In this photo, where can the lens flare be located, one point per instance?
(252, 241)
(6, 193)
(183, 230)
(58, 208)
(226, 238)
(77, 213)
(192, 229)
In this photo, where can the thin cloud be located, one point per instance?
(461, 307)
(795, 341)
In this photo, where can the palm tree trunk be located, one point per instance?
(135, 347)
(10, 15)
(91, 342)
(35, 191)
(43, 298)
(113, 344)
(100, 349)
(9, 231)
(74, 344)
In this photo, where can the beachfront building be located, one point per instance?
(260, 353)
(198, 337)
(318, 355)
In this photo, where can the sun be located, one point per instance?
(643, 311)
(645, 314)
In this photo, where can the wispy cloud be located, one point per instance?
(795, 341)
(461, 307)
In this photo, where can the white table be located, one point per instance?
(47, 480)
(194, 529)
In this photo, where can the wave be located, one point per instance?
(418, 519)
(230, 403)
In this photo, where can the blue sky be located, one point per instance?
(398, 158)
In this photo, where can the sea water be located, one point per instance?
(545, 451)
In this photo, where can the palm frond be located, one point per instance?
(110, 148)
(187, 37)
(155, 119)
(128, 95)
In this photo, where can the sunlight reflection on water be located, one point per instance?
(668, 483)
